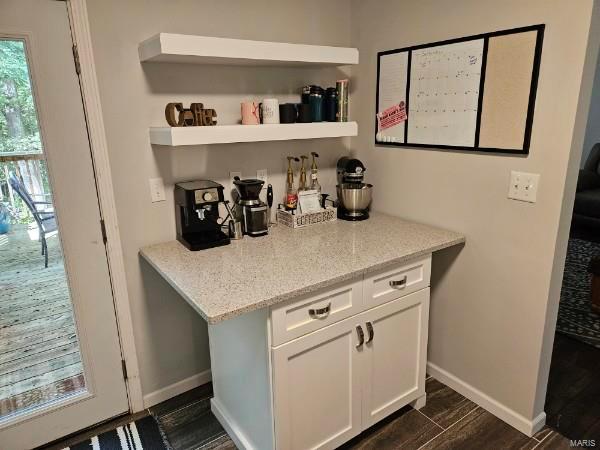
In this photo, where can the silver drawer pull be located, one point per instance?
(399, 284)
(361, 336)
(320, 313)
(371, 332)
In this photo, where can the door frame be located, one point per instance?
(80, 32)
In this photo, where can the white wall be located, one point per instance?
(171, 338)
(492, 316)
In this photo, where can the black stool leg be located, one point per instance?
(45, 251)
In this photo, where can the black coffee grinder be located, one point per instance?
(197, 214)
(253, 212)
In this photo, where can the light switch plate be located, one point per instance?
(157, 190)
(261, 174)
(523, 186)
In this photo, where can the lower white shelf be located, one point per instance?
(225, 134)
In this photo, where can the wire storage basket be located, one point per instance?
(328, 214)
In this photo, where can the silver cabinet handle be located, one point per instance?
(361, 336)
(399, 284)
(371, 332)
(320, 313)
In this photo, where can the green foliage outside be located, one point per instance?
(14, 70)
(19, 131)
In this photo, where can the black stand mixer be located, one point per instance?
(354, 196)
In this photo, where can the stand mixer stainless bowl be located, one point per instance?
(355, 199)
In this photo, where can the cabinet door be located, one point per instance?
(395, 355)
(317, 388)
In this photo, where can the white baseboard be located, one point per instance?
(514, 419)
(154, 398)
(232, 429)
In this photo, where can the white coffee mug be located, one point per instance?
(270, 110)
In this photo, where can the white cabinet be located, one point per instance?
(313, 372)
(317, 389)
(332, 384)
(395, 357)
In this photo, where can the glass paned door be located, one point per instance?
(40, 360)
(60, 359)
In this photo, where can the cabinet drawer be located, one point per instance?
(301, 316)
(401, 280)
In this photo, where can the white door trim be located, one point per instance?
(91, 102)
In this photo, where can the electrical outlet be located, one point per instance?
(261, 174)
(157, 190)
(523, 186)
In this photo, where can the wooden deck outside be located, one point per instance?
(39, 351)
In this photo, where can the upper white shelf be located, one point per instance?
(182, 48)
(225, 134)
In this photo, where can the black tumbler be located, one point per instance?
(330, 104)
(287, 113)
(315, 100)
(304, 115)
(306, 93)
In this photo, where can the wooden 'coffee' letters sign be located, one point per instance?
(196, 115)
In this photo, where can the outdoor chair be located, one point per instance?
(46, 221)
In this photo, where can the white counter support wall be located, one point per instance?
(242, 346)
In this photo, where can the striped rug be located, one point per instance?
(576, 318)
(142, 434)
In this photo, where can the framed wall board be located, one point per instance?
(473, 93)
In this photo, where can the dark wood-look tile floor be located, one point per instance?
(448, 421)
(573, 395)
(406, 428)
(188, 423)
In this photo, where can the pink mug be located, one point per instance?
(250, 113)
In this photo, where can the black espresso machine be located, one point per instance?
(197, 214)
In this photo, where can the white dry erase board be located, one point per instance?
(473, 93)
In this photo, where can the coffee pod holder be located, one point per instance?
(293, 220)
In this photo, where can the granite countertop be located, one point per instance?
(252, 273)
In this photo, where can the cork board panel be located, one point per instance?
(506, 90)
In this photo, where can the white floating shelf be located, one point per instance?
(182, 48)
(226, 134)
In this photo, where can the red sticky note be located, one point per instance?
(392, 116)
